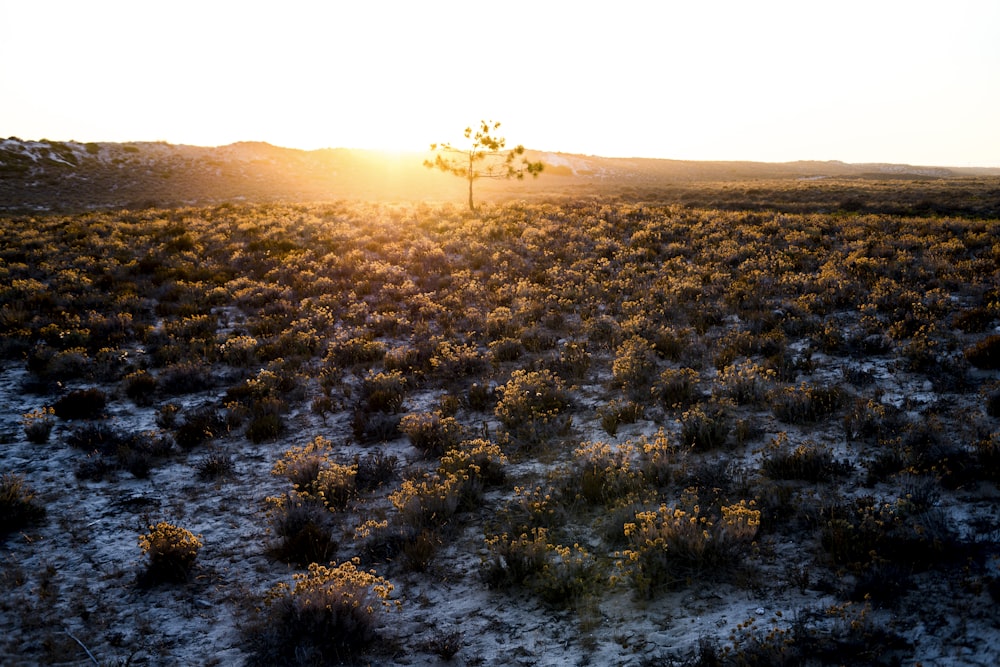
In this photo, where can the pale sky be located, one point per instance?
(860, 81)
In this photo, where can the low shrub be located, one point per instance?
(303, 530)
(81, 404)
(806, 462)
(383, 392)
(670, 545)
(171, 551)
(531, 406)
(477, 463)
(677, 387)
(505, 350)
(140, 387)
(185, 377)
(602, 475)
(617, 413)
(431, 433)
(265, 427)
(200, 426)
(866, 531)
(746, 383)
(374, 427)
(806, 404)
(215, 465)
(19, 508)
(428, 502)
(985, 354)
(38, 425)
(558, 574)
(374, 470)
(480, 397)
(328, 616)
(705, 426)
(634, 367)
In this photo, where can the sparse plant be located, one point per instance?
(805, 462)
(677, 387)
(215, 465)
(483, 157)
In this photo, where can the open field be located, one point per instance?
(726, 422)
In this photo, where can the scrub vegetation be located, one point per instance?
(615, 417)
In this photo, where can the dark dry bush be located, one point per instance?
(444, 645)
(974, 320)
(186, 377)
(806, 404)
(19, 508)
(374, 470)
(81, 404)
(374, 427)
(806, 462)
(198, 427)
(102, 438)
(617, 413)
(506, 349)
(480, 397)
(140, 387)
(265, 428)
(705, 426)
(866, 531)
(215, 465)
(95, 467)
(304, 532)
(985, 354)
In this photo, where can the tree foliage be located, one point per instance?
(485, 156)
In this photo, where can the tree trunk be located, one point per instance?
(472, 177)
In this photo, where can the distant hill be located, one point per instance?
(49, 175)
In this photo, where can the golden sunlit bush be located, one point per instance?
(531, 406)
(38, 424)
(171, 551)
(329, 615)
(670, 545)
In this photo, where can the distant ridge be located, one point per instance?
(50, 175)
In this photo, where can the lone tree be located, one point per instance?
(485, 157)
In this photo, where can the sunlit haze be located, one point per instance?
(872, 81)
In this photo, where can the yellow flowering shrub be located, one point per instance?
(171, 550)
(669, 545)
(331, 613)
